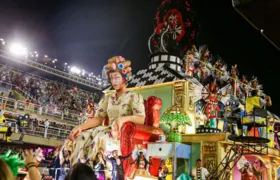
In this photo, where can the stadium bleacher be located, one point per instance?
(62, 104)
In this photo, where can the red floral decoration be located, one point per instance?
(180, 18)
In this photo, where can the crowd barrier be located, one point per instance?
(40, 130)
(31, 108)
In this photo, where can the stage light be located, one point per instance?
(75, 70)
(18, 49)
(2, 41)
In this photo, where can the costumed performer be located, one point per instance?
(120, 107)
(116, 161)
(199, 173)
(255, 101)
(3, 124)
(245, 168)
(99, 165)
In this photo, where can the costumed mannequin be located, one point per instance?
(120, 107)
(190, 63)
(3, 124)
(244, 85)
(234, 80)
(212, 106)
(220, 71)
(116, 161)
(202, 71)
(141, 165)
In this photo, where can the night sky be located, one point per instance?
(86, 33)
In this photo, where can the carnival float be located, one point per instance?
(197, 109)
(202, 105)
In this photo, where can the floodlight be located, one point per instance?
(75, 70)
(18, 49)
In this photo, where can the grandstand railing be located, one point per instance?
(42, 67)
(13, 87)
(31, 108)
(38, 77)
(52, 132)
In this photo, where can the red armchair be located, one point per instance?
(132, 134)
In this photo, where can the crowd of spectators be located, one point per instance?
(54, 129)
(42, 128)
(16, 150)
(46, 92)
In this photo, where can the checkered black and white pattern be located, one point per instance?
(159, 75)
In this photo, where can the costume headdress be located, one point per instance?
(234, 68)
(120, 64)
(255, 79)
(13, 161)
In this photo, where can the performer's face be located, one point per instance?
(117, 80)
(198, 164)
(115, 153)
(255, 84)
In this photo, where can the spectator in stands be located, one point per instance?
(30, 124)
(64, 163)
(11, 96)
(35, 124)
(47, 124)
(54, 164)
(30, 164)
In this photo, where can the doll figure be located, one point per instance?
(190, 67)
(141, 165)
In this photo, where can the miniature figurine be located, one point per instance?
(141, 165)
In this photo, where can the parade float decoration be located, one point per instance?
(174, 120)
(176, 28)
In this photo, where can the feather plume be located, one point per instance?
(13, 161)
